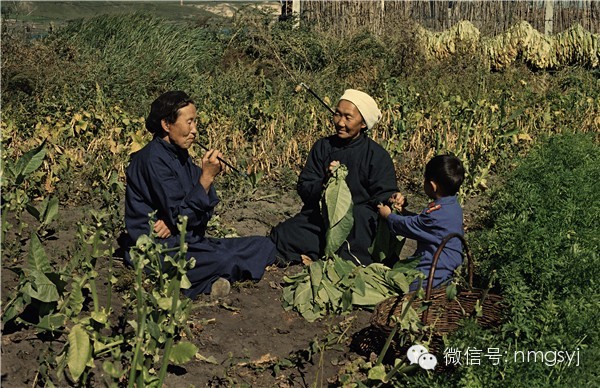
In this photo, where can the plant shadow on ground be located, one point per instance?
(245, 338)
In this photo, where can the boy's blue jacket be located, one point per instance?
(429, 228)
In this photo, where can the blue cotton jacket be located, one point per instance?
(428, 229)
(163, 178)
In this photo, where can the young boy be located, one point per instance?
(443, 176)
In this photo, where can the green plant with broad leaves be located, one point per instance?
(53, 301)
(161, 313)
(15, 183)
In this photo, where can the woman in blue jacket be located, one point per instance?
(163, 178)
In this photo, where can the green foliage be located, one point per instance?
(17, 191)
(35, 286)
(542, 240)
(242, 79)
(543, 233)
(164, 56)
(161, 312)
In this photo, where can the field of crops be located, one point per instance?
(73, 109)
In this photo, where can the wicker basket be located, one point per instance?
(442, 314)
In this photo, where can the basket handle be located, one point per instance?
(436, 257)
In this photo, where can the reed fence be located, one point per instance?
(491, 17)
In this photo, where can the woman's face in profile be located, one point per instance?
(348, 120)
(183, 131)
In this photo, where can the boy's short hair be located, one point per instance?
(447, 171)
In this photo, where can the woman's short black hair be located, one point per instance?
(166, 107)
(447, 171)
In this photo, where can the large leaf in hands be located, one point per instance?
(338, 198)
(336, 235)
(338, 205)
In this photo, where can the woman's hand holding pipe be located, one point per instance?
(211, 167)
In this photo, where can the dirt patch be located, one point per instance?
(245, 338)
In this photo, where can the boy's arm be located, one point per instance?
(417, 227)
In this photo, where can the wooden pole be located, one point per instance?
(549, 17)
(296, 7)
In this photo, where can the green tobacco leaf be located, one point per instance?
(155, 331)
(332, 274)
(164, 303)
(310, 315)
(359, 285)
(76, 299)
(41, 288)
(323, 296)
(37, 259)
(451, 291)
(316, 275)
(13, 309)
(334, 295)
(347, 300)
(385, 244)
(399, 280)
(112, 369)
(33, 211)
(377, 373)
(79, 351)
(185, 283)
(343, 267)
(29, 162)
(370, 298)
(338, 198)
(100, 316)
(52, 322)
(182, 352)
(338, 202)
(50, 211)
(288, 296)
(303, 294)
(336, 235)
(209, 359)
(407, 264)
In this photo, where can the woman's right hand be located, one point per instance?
(161, 229)
(211, 167)
(333, 166)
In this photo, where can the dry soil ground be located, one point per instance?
(246, 337)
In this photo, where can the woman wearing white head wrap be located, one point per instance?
(371, 179)
(365, 104)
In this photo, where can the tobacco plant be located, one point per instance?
(161, 312)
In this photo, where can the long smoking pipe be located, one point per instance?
(224, 162)
(305, 86)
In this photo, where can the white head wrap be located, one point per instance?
(366, 106)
